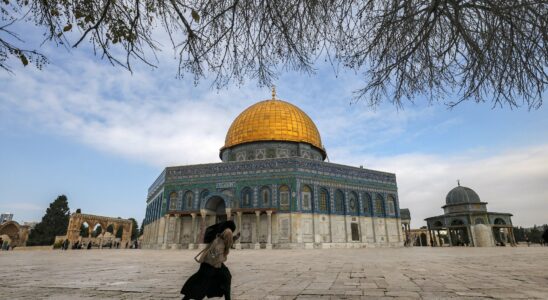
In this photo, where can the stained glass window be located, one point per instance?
(173, 201)
(324, 198)
(189, 198)
(284, 197)
(265, 196)
(306, 198)
(379, 207)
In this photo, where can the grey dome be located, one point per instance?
(462, 194)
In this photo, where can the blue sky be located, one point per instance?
(101, 135)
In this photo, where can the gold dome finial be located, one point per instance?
(273, 92)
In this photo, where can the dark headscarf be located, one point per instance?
(212, 231)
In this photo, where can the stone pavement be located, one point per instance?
(387, 273)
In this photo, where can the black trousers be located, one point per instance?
(208, 281)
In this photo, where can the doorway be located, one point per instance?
(216, 206)
(355, 232)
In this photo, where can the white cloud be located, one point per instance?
(513, 181)
(138, 117)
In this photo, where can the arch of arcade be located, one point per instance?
(77, 219)
(14, 233)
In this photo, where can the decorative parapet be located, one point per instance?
(157, 183)
(274, 165)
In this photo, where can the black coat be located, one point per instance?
(208, 281)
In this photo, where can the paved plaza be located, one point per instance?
(402, 273)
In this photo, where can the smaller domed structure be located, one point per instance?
(466, 221)
(462, 194)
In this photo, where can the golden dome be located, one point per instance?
(273, 120)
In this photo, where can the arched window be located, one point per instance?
(353, 202)
(457, 222)
(173, 201)
(366, 204)
(84, 229)
(189, 200)
(499, 221)
(306, 197)
(391, 205)
(284, 197)
(339, 201)
(379, 207)
(265, 196)
(179, 201)
(203, 194)
(246, 197)
(324, 200)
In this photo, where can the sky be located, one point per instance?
(101, 135)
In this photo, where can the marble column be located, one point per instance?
(228, 213)
(258, 229)
(374, 225)
(398, 221)
(269, 229)
(192, 243)
(178, 229)
(512, 236)
(238, 244)
(114, 230)
(166, 230)
(471, 240)
(203, 213)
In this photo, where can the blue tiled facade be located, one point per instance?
(375, 192)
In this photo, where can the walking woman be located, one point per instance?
(213, 279)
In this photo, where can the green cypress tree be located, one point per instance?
(54, 222)
(134, 229)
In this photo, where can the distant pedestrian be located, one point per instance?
(65, 244)
(89, 245)
(545, 237)
(213, 279)
(527, 241)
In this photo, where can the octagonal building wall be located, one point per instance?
(278, 203)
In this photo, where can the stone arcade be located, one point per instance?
(273, 182)
(77, 219)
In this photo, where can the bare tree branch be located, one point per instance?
(446, 51)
